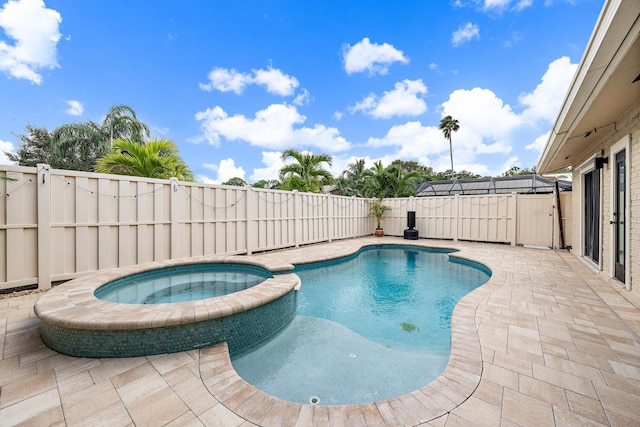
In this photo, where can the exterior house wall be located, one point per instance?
(626, 127)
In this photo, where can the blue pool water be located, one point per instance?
(182, 283)
(370, 327)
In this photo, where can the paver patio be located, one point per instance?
(556, 345)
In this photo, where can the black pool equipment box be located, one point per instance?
(411, 233)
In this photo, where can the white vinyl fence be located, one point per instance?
(56, 225)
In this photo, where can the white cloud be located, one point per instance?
(465, 33)
(403, 100)
(273, 163)
(160, 130)
(278, 127)
(483, 117)
(75, 107)
(372, 57)
(225, 170)
(225, 80)
(274, 81)
(495, 4)
(302, 98)
(538, 144)
(413, 140)
(546, 99)
(35, 31)
(500, 5)
(6, 147)
(338, 115)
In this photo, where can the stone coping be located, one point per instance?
(450, 389)
(74, 305)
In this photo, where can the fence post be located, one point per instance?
(44, 226)
(354, 221)
(514, 219)
(173, 199)
(330, 211)
(250, 215)
(297, 213)
(456, 222)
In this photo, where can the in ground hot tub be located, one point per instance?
(77, 323)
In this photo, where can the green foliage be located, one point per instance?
(36, 147)
(121, 122)
(409, 327)
(78, 146)
(516, 171)
(270, 184)
(449, 174)
(157, 158)
(235, 181)
(377, 209)
(306, 172)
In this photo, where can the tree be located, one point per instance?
(426, 172)
(121, 122)
(448, 125)
(157, 158)
(401, 183)
(352, 181)
(449, 174)
(36, 147)
(269, 184)
(78, 146)
(306, 173)
(515, 170)
(235, 181)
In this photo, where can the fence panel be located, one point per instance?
(436, 217)
(18, 228)
(56, 225)
(535, 219)
(485, 218)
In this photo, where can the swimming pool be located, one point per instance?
(370, 326)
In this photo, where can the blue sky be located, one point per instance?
(233, 83)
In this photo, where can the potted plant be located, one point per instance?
(378, 210)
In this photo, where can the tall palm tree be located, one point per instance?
(157, 158)
(448, 125)
(306, 173)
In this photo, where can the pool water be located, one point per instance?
(182, 283)
(369, 327)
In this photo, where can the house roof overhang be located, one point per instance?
(606, 84)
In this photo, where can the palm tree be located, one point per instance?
(306, 173)
(400, 183)
(448, 125)
(78, 146)
(376, 181)
(121, 122)
(157, 158)
(392, 181)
